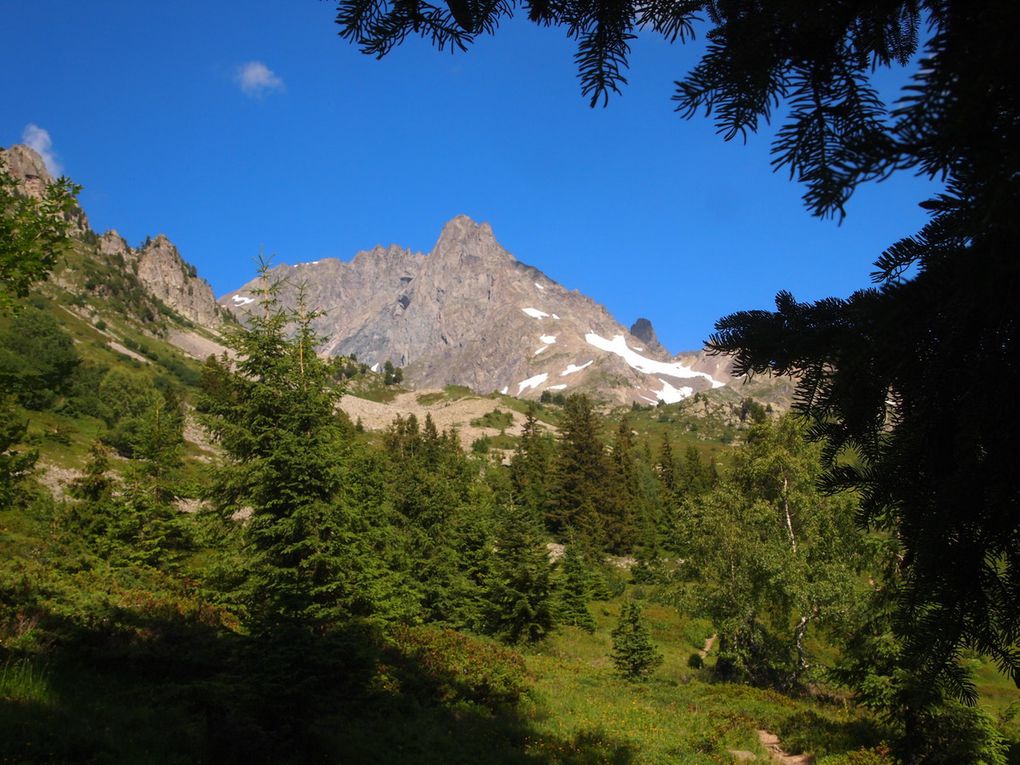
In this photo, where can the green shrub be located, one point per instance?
(494, 419)
(875, 756)
(697, 631)
(445, 666)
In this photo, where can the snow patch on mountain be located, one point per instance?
(548, 339)
(618, 345)
(534, 313)
(561, 386)
(531, 382)
(242, 300)
(671, 395)
(571, 368)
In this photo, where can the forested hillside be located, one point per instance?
(232, 570)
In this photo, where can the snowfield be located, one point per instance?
(532, 382)
(571, 368)
(671, 395)
(534, 313)
(618, 345)
(242, 300)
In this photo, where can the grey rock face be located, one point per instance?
(112, 243)
(165, 274)
(470, 313)
(26, 166)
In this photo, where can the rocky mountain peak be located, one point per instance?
(470, 313)
(164, 272)
(112, 243)
(643, 330)
(463, 242)
(26, 166)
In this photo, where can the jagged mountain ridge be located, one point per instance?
(470, 313)
(157, 264)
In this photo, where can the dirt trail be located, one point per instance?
(709, 642)
(770, 742)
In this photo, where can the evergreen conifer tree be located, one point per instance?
(581, 470)
(575, 590)
(310, 561)
(634, 655)
(530, 467)
(666, 466)
(623, 505)
(519, 587)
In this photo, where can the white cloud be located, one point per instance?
(256, 79)
(36, 138)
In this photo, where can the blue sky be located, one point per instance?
(315, 150)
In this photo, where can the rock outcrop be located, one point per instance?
(163, 271)
(27, 167)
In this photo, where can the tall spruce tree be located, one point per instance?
(665, 467)
(531, 465)
(430, 483)
(623, 504)
(273, 412)
(519, 587)
(576, 590)
(581, 469)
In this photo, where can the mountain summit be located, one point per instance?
(470, 313)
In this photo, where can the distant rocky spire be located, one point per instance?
(643, 330)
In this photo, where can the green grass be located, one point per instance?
(497, 419)
(998, 694)
(24, 682)
(549, 414)
(371, 387)
(676, 716)
(454, 392)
